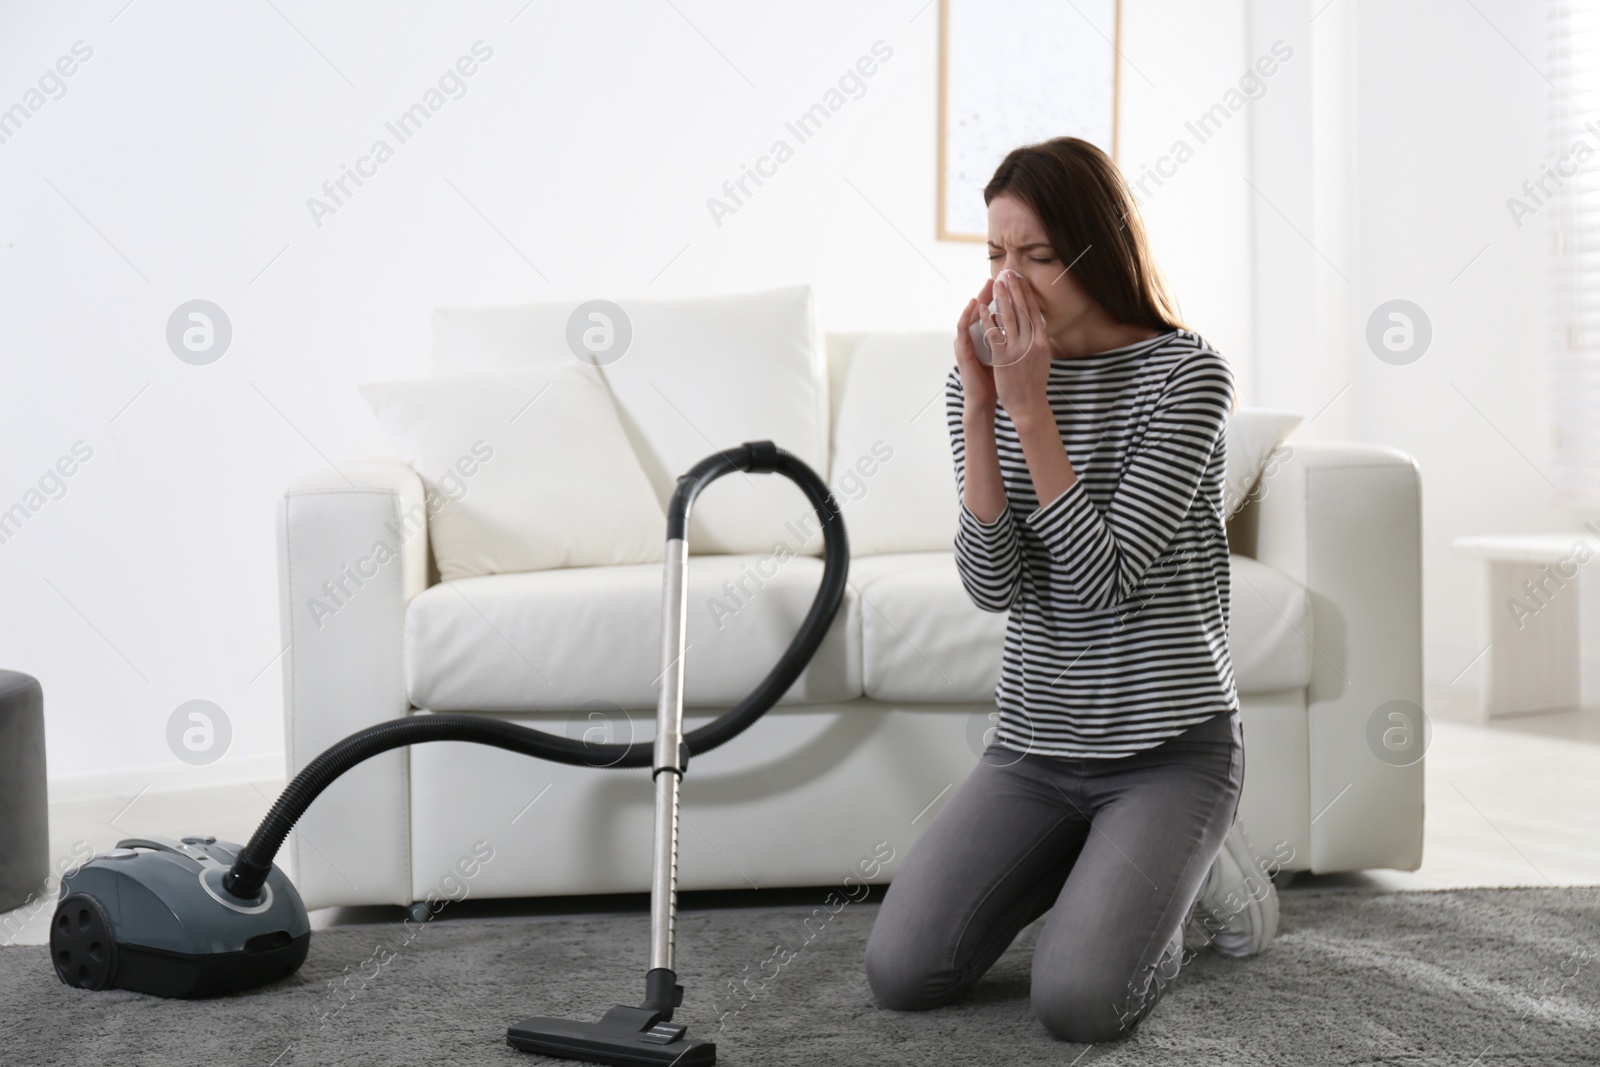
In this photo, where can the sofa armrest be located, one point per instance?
(1345, 520)
(352, 551)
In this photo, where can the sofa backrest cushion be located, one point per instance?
(525, 470)
(892, 469)
(697, 375)
(1253, 436)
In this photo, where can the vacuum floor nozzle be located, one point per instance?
(628, 1037)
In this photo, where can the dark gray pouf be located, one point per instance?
(24, 811)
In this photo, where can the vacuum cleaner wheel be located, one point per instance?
(81, 944)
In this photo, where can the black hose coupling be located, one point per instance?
(245, 879)
(661, 991)
(759, 456)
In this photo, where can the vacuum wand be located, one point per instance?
(646, 1034)
(671, 755)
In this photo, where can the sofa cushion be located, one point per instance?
(891, 464)
(922, 639)
(556, 640)
(508, 488)
(1269, 628)
(1252, 436)
(697, 375)
(891, 469)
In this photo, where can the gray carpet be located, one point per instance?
(1483, 976)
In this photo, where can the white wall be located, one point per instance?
(178, 165)
(1300, 205)
(1388, 160)
(1447, 133)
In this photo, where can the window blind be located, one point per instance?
(1574, 343)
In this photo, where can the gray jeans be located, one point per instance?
(1116, 850)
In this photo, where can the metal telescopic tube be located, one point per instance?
(668, 766)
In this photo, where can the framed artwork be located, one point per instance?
(1013, 72)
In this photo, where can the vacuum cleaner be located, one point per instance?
(199, 917)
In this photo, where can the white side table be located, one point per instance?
(1534, 588)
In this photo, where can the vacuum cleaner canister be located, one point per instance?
(151, 916)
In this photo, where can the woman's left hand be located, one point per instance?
(1022, 358)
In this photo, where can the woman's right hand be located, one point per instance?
(977, 377)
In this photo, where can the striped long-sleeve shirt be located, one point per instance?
(1118, 588)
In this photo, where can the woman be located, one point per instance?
(1089, 472)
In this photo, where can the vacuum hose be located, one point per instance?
(245, 878)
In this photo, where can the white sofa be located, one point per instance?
(889, 716)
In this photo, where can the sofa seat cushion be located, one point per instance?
(1269, 628)
(564, 639)
(922, 639)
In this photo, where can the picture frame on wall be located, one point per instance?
(1014, 72)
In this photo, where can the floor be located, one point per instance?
(1515, 802)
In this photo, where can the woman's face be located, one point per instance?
(1017, 239)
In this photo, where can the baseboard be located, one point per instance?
(164, 778)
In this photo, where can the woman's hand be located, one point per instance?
(977, 377)
(1021, 348)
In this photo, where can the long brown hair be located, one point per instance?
(1093, 224)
